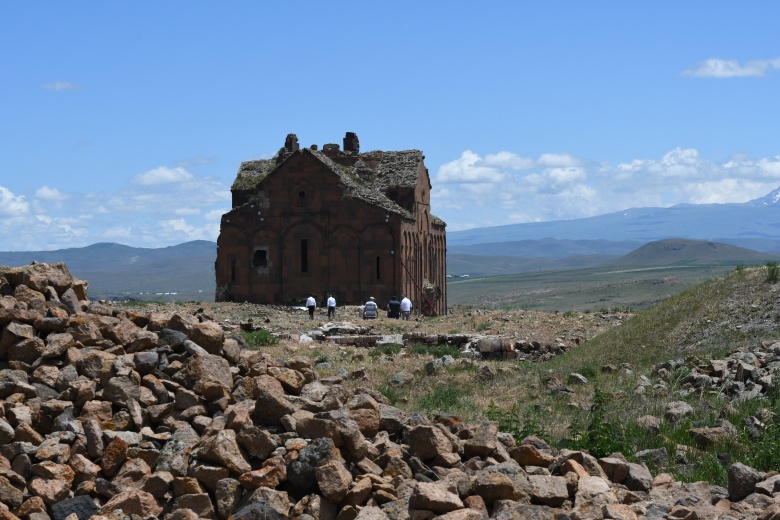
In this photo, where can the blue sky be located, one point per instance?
(127, 121)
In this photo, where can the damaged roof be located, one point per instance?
(371, 176)
(359, 188)
(252, 172)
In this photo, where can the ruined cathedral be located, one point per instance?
(333, 221)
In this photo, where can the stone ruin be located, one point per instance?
(115, 414)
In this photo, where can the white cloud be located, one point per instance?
(470, 168)
(61, 85)
(52, 194)
(723, 190)
(558, 160)
(579, 187)
(507, 160)
(161, 207)
(163, 175)
(720, 68)
(12, 205)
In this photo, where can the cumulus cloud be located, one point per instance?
(61, 85)
(720, 68)
(12, 205)
(162, 175)
(47, 193)
(156, 208)
(562, 186)
(470, 168)
(557, 160)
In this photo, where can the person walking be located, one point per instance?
(394, 308)
(406, 307)
(331, 307)
(311, 304)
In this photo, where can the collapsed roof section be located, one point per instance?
(378, 177)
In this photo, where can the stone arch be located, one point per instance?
(232, 265)
(377, 266)
(344, 262)
(304, 261)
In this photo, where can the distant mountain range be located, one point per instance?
(753, 225)
(177, 273)
(722, 234)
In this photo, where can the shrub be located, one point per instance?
(259, 338)
(387, 349)
(390, 391)
(772, 272)
(519, 424)
(483, 326)
(444, 397)
(589, 372)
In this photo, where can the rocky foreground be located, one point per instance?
(113, 414)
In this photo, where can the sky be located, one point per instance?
(127, 121)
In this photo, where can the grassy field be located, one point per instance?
(591, 289)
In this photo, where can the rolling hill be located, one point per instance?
(678, 251)
(637, 280)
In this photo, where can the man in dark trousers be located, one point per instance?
(394, 308)
(311, 304)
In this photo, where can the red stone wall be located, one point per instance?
(352, 248)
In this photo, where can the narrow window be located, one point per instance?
(378, 272)
(260, 259)
(233, 263)
(304, 255)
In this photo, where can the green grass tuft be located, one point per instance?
(259, 338)
(421, 349)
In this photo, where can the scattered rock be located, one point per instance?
(161, 415)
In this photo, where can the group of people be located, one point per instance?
(395, 309)
(311, 305)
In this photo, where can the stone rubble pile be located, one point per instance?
(746, 373)
(114, 414)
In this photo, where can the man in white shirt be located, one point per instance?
(311, 304)
(406, 307)
(331, 306)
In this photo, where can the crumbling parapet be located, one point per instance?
(351, 143)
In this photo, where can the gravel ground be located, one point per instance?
(518, 324)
